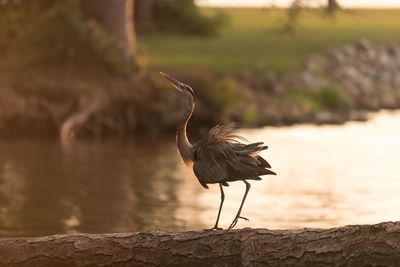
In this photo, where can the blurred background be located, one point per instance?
(87, 125)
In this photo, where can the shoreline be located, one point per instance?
(334, 88)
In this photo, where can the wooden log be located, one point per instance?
(355, 245)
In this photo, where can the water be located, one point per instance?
(327, 176)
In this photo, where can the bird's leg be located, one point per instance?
(237, 217)
(220, 208)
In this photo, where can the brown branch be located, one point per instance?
(358, 245)
(89, 107)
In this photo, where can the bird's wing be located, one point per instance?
(210, 165)
(221, 158)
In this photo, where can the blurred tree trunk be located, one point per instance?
(116, 17)
(331, 7)
(143, 15)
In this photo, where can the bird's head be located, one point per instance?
(183, 88)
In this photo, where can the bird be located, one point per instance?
(219, 157)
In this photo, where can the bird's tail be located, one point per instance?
(253, 149)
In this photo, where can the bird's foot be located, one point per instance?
(214, 228)
(234, 222)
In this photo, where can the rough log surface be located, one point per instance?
(355, 245)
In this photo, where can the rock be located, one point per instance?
(368, 72)
(358, 116)
(349, 51)
(311, 81)
(383, 59)
(338, 57)
(328, 117)
(364, 45)
(314, 64)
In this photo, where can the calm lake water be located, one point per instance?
(327, 176)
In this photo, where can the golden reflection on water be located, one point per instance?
(327, 176)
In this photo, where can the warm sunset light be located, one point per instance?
(199, 133)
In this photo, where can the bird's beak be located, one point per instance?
(174, 82)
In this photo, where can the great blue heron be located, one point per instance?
(219, 157)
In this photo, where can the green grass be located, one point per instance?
(252, 42)
(328, 98)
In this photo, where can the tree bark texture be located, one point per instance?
(357, 245)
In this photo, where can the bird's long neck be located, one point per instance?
(184, 146)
